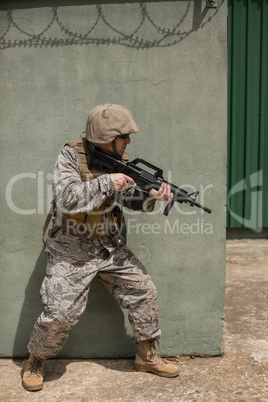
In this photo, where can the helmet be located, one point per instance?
(106, 122)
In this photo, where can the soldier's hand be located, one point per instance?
(163, 194)
(121, 181)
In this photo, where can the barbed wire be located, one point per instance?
(164, 36)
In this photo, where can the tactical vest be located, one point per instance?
(83, 224)
(84, 150)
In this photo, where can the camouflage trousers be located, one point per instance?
(64, 291)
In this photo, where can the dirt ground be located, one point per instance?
(240, 374)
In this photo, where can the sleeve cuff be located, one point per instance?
(148, 204)
(106, 184)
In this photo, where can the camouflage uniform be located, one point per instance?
(70, 268)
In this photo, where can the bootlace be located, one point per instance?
(152, 349)
(153, 353)
(36, 366)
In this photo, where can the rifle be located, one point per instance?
(144, 179)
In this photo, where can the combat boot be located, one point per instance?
(148, 361)
(33, 375)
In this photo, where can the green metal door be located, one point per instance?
(247, 198)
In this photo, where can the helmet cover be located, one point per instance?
(106, 122)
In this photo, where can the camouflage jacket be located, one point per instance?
(73, 196)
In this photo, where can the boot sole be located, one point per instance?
(139, 367)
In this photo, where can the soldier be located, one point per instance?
(86, 241)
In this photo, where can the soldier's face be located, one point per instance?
(121, 144)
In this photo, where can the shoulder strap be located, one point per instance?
(48, 218)
(84, 151)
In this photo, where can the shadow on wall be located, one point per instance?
(36, 25)
(101, 331)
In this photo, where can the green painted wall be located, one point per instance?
(248, 116)
(167, 62)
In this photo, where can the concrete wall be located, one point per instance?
(166, 62)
